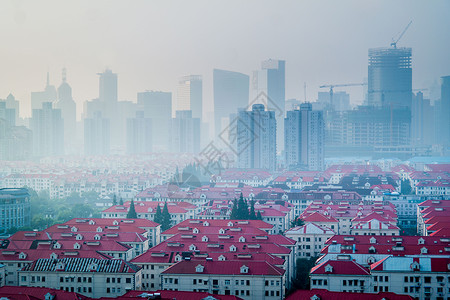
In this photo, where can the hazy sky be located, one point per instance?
(152, 43)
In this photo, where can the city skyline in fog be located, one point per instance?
(151, 45)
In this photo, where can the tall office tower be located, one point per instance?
(139, 134)
(7, 115)
(304, 138)
(16, 142)
(108, 86)
(256, 139)
(96, 135)
(422, 121)
(190, 96)
(68, 111)
(158, 107)
(185, 132)
(48, 95)
(231, 91)
(108, 98)
(390, 77)
(12, 103)
(444, 126)
(48, 130)
(271, 81)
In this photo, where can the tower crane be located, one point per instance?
(332, 86)
(394, 43)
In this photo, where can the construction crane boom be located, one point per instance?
(331, 86)
(394, 43)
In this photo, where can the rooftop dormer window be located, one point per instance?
(244, 269)
(199, 268)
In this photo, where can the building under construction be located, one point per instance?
(390, 77)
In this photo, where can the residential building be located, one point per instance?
(231, 92)
(420, 277)
(271, 82)
(367, 250)
(48, 131)
(14, 208)
(185, 132)
(340, 276)
(139, 134)
(248, 280)
(310, 239)
(323, 294)
(88, 276)
(190, 95)
(256, 138)
(97, 135)
(158, 107)
(444, 111)
(304, 138)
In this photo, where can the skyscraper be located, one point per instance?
(231, 90)
(97, 135)
(304, 138)
(108, 99)
(256, 136)
(68, 111)
(271, 81)
(108, 86)
(390, 77)
(11, 102)
(185, 132)
(48, 131)
(48, 95)
(444, 125)
(139, 134)
(158, 107)
(189, 96)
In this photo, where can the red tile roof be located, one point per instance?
(341, 267)
(256, 268)
(327, 295)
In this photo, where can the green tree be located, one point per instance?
(252, 210)
(158, 215)
(121, 201)
(166, 218)
(114, 199)
(405, 187)
(132, 211)
(243, 213)
(301, 280)
(234, 210)
(259, 216)
(297, 222)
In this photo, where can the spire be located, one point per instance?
(48, 78)
(64, 74)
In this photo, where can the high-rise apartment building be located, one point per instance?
(48, 95)
(108, 97)
(139, 134)
(256, 138)
(390, 77)
(68, 111)
(97, 135)
(190, 96)
(231, 92)
(12, 103)
(158, 107)
(444, 119)
(185, 132)
(108, 86)
(48, 131)
(271, 81)
(304, 138)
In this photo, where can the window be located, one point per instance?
(227, 282)
(128, 280)
(427, 279)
